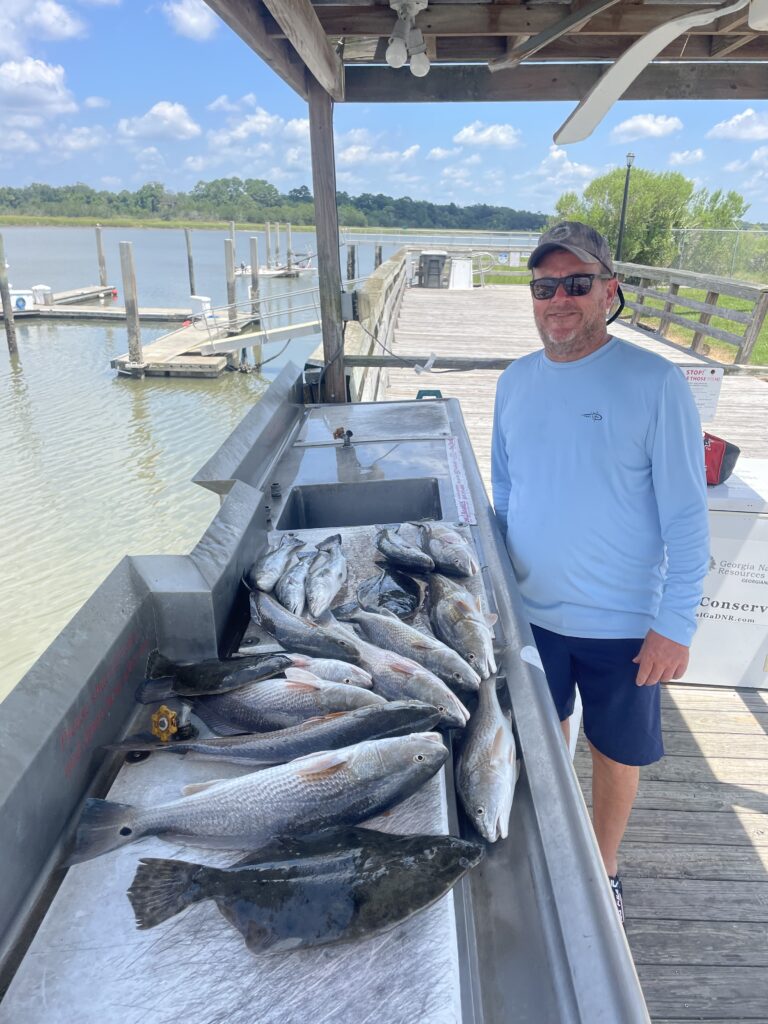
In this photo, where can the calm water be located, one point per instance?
(95, 466)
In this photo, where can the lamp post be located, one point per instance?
(619, 243)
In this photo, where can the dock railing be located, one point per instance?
(662, 295)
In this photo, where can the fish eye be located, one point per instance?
(442, 708)
(480, 811)
(418, 757)
(457, 675)
(347, 679)
(125, 831)
(471, 657)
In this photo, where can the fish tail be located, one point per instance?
(162, 889)
(158, 665)
(104, 826)
(155, 691)
(142, 741)
(345, 611)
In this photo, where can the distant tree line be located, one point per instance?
(254, 200)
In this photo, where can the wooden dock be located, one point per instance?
(695, 856)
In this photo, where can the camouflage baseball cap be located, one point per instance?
(583, 241)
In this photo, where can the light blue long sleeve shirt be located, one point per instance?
(598, 475)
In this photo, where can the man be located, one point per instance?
(599, 483)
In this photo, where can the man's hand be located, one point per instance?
(660, 659)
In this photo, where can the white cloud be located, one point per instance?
(163, 121)
(457, 175)
(748, 126)
(355, 136)
(260, 123)
(405, 179)
(222, 103)
(353, 155)
(473, 161)
(365, 154)
(53, 21)
(438, 153)
(297, 128)
(18, 141)
(479, 134)
(150, 159)
(95, 102)
(69, 142)
(111, 182)
(758, 159)
(191, 18)
(556, 174)
(686, 156)
(36, 87)
(646, 126)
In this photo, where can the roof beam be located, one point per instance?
(302, 29)
(572, 23)
(245, 18)
(713, 81)
(469, 19)
(722, 45)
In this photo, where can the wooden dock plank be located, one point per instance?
(699, 943)
(700, 796)
(742, 772)
(697, 993)
(713, 863)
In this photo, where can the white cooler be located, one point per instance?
(730, 647)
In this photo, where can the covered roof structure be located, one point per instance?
(332, 51)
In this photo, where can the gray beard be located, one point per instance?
(581, 342)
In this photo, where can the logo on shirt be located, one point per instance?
(595, 416)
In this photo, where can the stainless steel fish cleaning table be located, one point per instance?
(530, 936)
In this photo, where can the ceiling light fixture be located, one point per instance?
(406, 40)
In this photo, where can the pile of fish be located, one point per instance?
(332, 730)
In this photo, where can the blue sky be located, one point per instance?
(115, 93)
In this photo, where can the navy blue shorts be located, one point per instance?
(621, 719)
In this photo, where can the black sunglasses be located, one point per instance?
(573, 284)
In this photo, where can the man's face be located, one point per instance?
(572, 326)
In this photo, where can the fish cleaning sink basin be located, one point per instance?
(361, 504)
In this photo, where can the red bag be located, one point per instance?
(719, 458)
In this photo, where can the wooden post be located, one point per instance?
(5, 295)
(190, 262)
(254, 249)
(327, 228)
(254, 244)
(233, 358)
(288, 246)
(277, 243)
(377, 257)
(698, 338)
(752, 332)
(135, 352)
(674, 288)
(233, 235)
(268, 243)
(102, 261)
(351, 260)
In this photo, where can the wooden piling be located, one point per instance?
(377, 257)
(268, 243)
(5, 295)
(190, 261)
(254, 249)
(277, 243)
(229, 264)
(233, 235)
(351, 261)
(288, 247)
(102, 260)
(135, 352)
(327, 225)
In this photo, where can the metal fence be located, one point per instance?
(728, 253)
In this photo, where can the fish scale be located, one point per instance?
(274, 703)
(338, 788)
(390, 632)
(397, 677)
(487, 770)
(457, 618)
